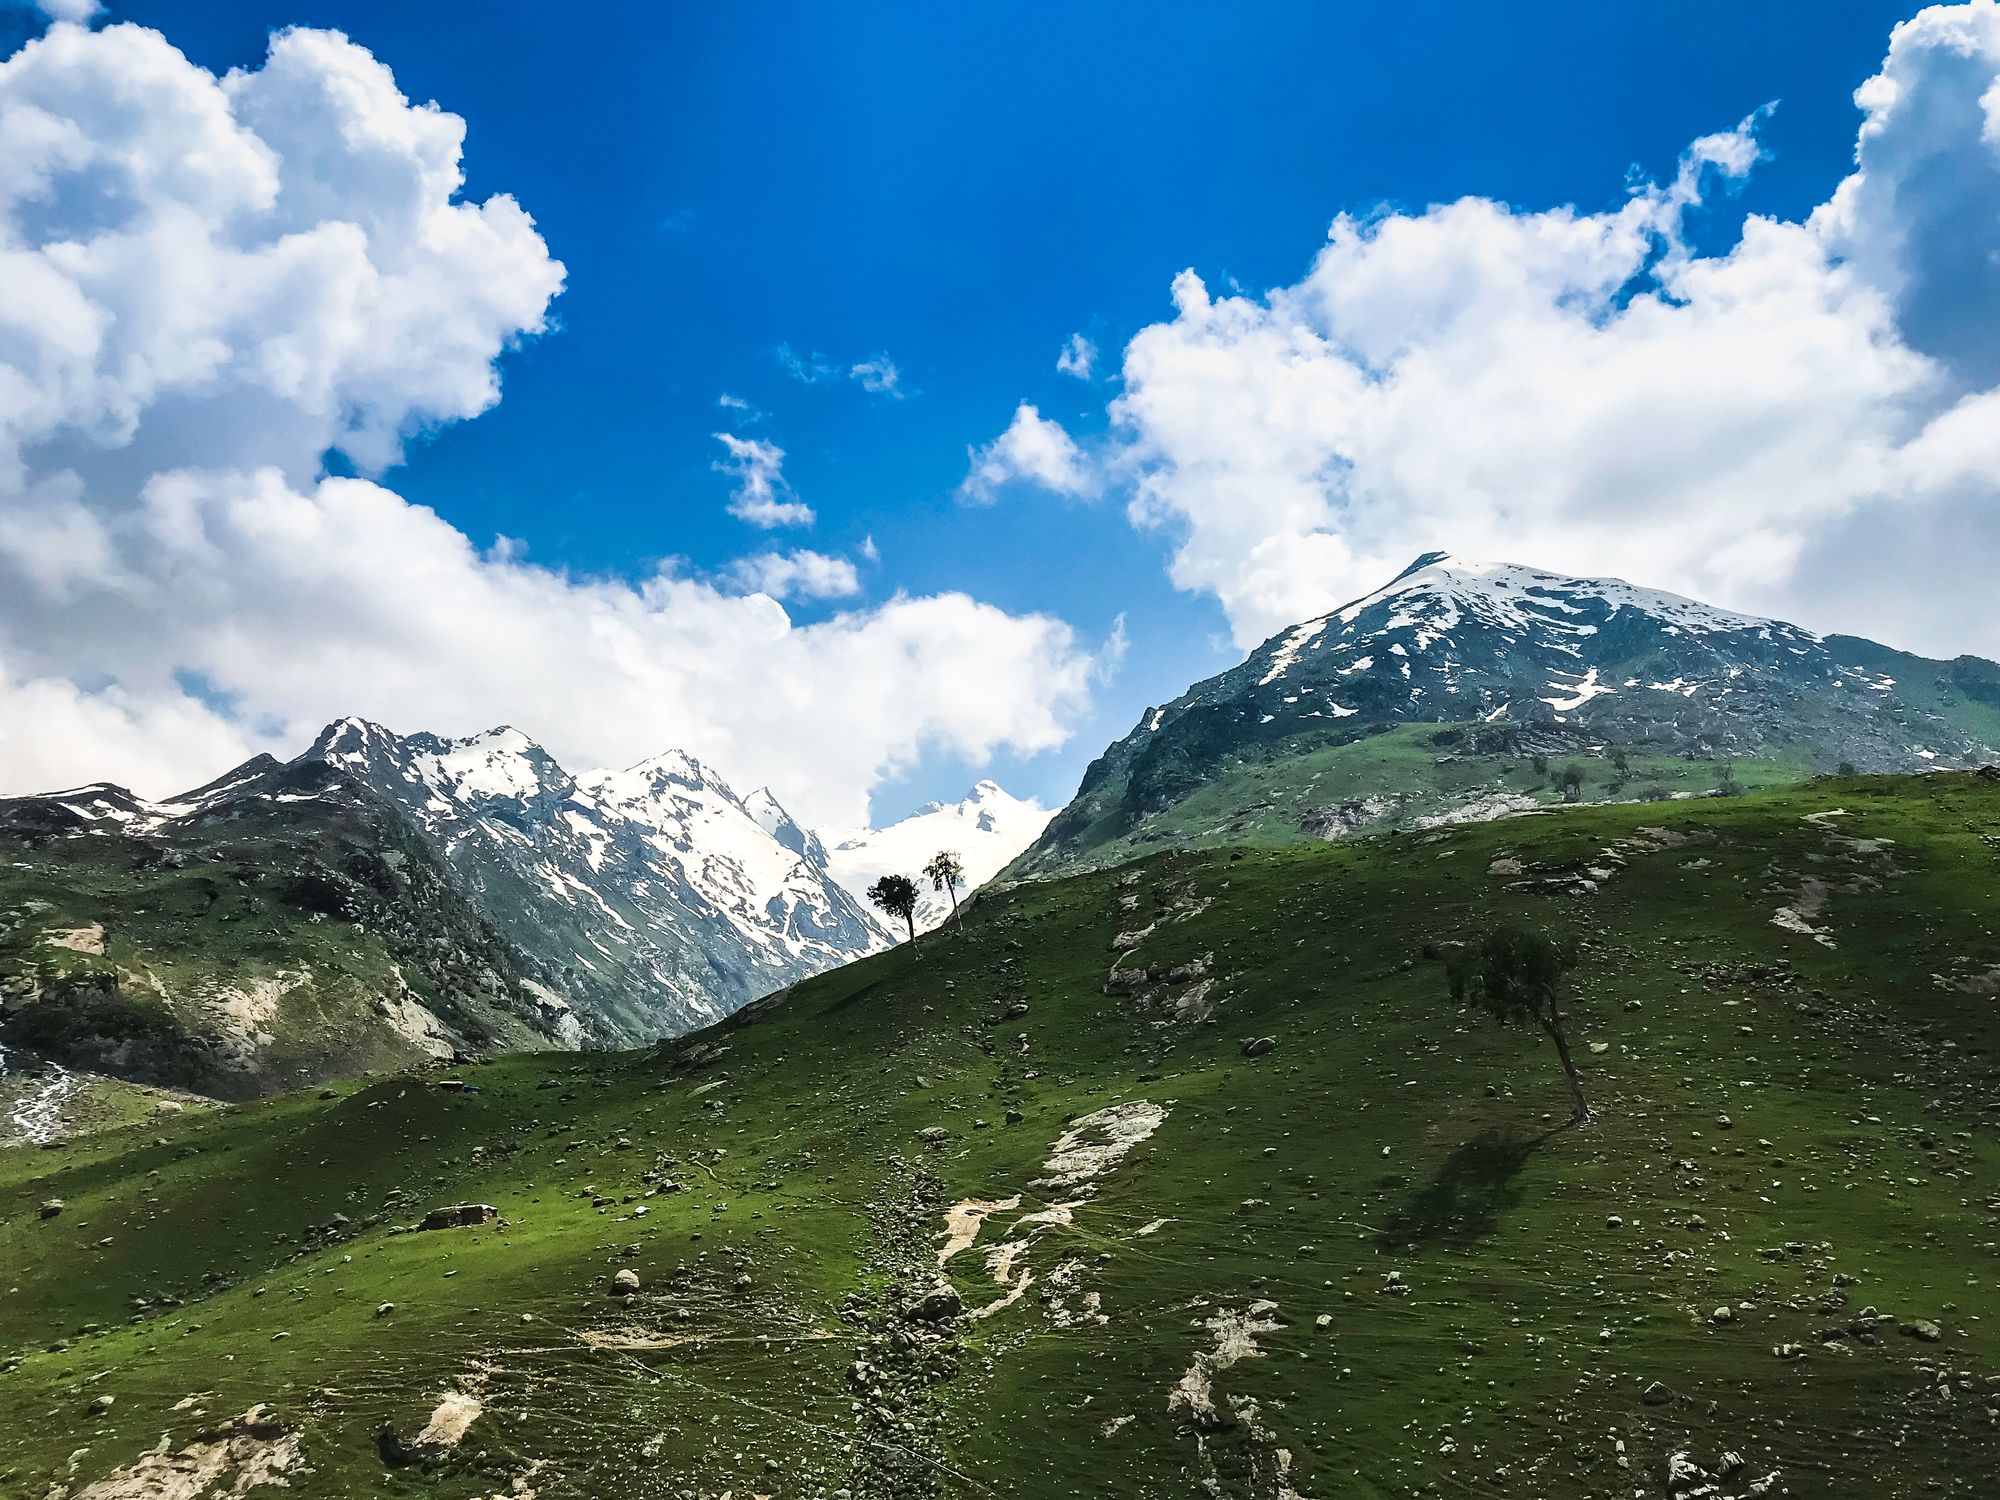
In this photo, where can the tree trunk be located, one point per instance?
(952, 891)
(1554, 1029)
(910, 921)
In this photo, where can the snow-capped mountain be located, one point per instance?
(652, 899)
(1525, 663)
(985, 829)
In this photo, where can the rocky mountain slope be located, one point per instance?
(386, 897)
(652, 899)
(986, 829)
(1468, 689)
(273, 927)
(1187, 1178)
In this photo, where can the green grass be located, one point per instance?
(1404, 775)
(1384, 1132)
(268, 902)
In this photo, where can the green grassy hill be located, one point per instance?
(293, 929)
(1259, 1211)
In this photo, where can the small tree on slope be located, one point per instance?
(946, 874)
(897, 895)
(1519, 977)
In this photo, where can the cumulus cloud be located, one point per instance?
(760, 495)
(206, 284)
(1034, 450)
(77, 11)
(1767, 426)
(799, 574)
(1078, 357)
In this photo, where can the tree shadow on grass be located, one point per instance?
(1472, 1188)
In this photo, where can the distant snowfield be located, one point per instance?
(985, 830)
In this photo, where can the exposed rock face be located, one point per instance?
(648, 901)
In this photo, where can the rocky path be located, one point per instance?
(909, 1319)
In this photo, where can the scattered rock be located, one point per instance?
(937, 1304)
(460, 1216)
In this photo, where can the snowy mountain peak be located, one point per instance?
(348, 739)
(1523, 598)
(500, 763)
(985, 829)
(1469, 675)
(674, 767)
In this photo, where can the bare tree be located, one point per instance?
(946, 874)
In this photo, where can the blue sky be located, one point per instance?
(961, 189)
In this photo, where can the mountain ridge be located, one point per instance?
(1519, 664)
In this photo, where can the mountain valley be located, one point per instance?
(417, 1118)
(1193, 1170)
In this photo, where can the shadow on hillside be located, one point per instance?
(1473, 1187)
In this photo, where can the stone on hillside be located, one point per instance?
(51, 1208)
(625, 1283)
(940, 1302)
(1683, 1474)
(1656, 1394)
(460, 1216)
(1925, 1329)
(1257, 1046)
(383, 1310)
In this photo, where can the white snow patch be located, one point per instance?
(1289, 649)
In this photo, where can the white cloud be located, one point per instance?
(1032, 449)
(806, 369)
(761, 496)
(799, 574)
(878, 376)
(77, 11)
(253, 268)
(1078, 357)
(204, 285)
(343, 597)
(1762, 426)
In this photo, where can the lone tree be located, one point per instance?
(897, 895)
(1519, 977)
(946, 874)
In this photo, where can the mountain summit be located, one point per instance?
(1503, 666)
